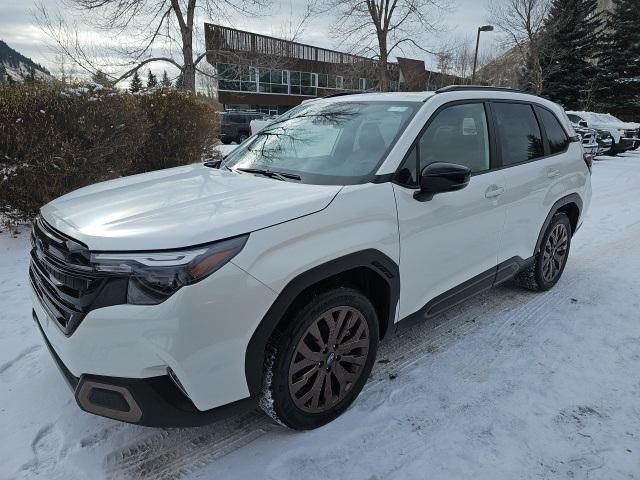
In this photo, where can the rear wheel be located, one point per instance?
(550, 261)
(318, 363)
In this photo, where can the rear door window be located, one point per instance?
(519, 133)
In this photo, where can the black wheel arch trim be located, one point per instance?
(572, 198)
(381, 264)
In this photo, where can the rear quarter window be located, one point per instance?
(556, 136)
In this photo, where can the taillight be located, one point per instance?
(588, 159)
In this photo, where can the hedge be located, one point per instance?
(54, 140)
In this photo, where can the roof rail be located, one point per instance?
(341, 94)
(462, 88)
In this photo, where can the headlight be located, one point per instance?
(155, 276)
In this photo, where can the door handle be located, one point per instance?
(552, 172)
(494, 191)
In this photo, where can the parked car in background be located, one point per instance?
(594, 140)
(588, 136)
(634, 125)
(605, 141)
(624, 135)
(235, 125)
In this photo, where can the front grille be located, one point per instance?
(631, 133)
(588, 138)
(62, 277)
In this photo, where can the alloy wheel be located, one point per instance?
(555, 252)
(329, 359)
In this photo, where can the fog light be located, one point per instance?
(108, 399)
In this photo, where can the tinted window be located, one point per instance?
(520, 137)
(459, 135)
(558, 140)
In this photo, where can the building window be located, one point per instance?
(323, 80)
(339, 81)
(362, 84)
(303, 83)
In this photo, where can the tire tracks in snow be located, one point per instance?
(506, 311)
(175, 453)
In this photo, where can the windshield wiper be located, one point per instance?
(270, 173)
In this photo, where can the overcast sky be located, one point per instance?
(18, 27)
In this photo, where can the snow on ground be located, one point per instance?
(512, 384)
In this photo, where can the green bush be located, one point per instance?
(54, 140)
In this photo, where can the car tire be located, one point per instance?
(550, 261)
(308, 380)
(242, 137)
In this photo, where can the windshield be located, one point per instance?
(327, 143)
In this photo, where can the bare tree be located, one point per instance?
(150, 26)
(522, 22)
(66, 71)
(379, 27)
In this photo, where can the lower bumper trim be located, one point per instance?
(152, 402)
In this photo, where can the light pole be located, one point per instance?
(484, 28)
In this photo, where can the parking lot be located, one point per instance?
(512, 384)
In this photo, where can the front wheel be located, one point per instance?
(550, 261)
(316, 365)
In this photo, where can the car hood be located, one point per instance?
(180, 207)
(612, 125)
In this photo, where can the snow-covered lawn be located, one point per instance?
(510, 385)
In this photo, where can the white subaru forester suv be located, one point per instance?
(175, 297)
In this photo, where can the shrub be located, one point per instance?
(54, 140)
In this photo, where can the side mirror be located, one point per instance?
(440, 177)
(582, 123)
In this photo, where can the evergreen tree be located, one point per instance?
(569, 44)
(136, 83)
(618, 79)
(165, 82)
(3, 74)
(152, 80)
(179, 81)
(31, 76)
(100, 78)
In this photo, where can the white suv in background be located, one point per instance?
(624, 134)
(174, 297)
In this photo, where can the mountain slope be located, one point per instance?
(15, 67)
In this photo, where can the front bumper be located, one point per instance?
(591, 148)
(199, 335)
(624, 145)
(152, 402)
